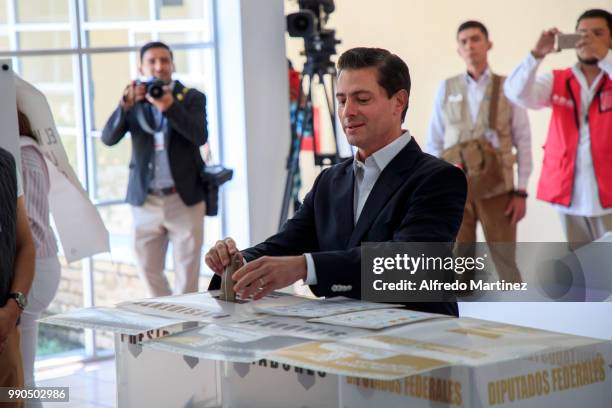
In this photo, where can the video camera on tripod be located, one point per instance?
(308, 23)
(319, 70)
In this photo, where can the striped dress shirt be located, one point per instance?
(35, 177)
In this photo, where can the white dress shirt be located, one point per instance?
(162, 175)
(19, 183)
(534, 92)
(366, 174)
(36, 186)
(521, 132)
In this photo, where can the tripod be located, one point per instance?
(302, 122)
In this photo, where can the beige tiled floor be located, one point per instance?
(92, 385)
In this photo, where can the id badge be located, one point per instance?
(159, 141)
(491, 136)
(605, 100)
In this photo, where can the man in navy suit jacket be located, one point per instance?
(164, 187)
(390, 191)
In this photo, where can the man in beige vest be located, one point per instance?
(476, 128)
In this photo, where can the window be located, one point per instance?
(81, 54)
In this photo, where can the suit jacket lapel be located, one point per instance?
(342, 188)
(177, 90)
(389, 181)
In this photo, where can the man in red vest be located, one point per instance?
(577, 170)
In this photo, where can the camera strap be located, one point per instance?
(144, 123)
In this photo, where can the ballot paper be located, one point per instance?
(200, 307)
(203, 307)
(69, 203)
(412, 349)
(377, 319)
(477, 347)
(294, 326)
(469, 341)
(312, 308)
(220, 342)
(110, 319)
(343, 359)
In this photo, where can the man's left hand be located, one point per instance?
(516, 209)
(162, 104)
(590, 44)
(267, 274)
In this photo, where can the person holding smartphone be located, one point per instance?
(576, 174)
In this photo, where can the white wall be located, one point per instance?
(255, 114)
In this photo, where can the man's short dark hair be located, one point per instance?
(473, 24)
(154, 44)
(597, 13)
(392, 71)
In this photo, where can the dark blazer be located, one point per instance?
(8, 223)
(187, 132)
(417, 198)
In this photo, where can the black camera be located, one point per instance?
(154, 87)
(213, 177)
(308, 23)
(309, 20)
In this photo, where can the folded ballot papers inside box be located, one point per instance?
(286, 351)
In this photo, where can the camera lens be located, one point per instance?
(156, 89)
(301, 24)
(156, 92)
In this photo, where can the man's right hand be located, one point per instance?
(9, 314)
(219, 256)
(545, 44)
(132, 94)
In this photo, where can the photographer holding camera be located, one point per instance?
(167, 123)
(576, 173)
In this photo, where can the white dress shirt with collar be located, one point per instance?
(476, 89)
(533, 91)
(366, 175)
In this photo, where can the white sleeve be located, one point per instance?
(525, 89)
(311, 273)
(606, 64)
(521, 138)
(19, 185)
(435, 133)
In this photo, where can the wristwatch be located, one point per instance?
(520, 193)
(20, 298)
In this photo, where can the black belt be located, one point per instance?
(162, 192)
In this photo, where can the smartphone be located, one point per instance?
(566, 41)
